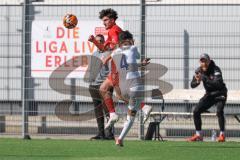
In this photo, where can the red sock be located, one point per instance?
(142, 105)
(109, 103)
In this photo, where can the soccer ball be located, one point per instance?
(70, 21)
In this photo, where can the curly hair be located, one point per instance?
(110, 13)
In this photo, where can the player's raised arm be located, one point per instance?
(96, 43)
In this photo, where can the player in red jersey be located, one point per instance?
(109, 17)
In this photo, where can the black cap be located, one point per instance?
(205, 56)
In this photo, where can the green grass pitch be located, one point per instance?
(17, 149)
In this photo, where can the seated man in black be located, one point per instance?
(216, 93)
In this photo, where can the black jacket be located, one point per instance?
(212, 80)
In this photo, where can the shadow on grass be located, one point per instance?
(209, 146)
(36, 156)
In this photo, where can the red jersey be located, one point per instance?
(111, 43)
(112, 39)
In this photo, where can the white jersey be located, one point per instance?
(125, 60)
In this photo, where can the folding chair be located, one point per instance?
(154, 126)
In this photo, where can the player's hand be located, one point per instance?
(146, 61)
(91, 38)
(120, 97)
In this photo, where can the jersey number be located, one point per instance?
(124, 62)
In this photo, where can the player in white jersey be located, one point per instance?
(125, 59)
(128, 84)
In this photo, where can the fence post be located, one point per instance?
(186, 60)
(186, 68)
(24, 116)
(2, 123)
(73, 96)
(27, 93)
(142, 52)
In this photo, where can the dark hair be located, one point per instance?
(124, 35)
(110, 13)
(101, 36)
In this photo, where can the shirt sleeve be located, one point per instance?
(135, 51)
(194, 82)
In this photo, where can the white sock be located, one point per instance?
(127, 125)
(198, 133)
(221, 132)
(112, 113)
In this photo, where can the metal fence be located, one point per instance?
(173, 35)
